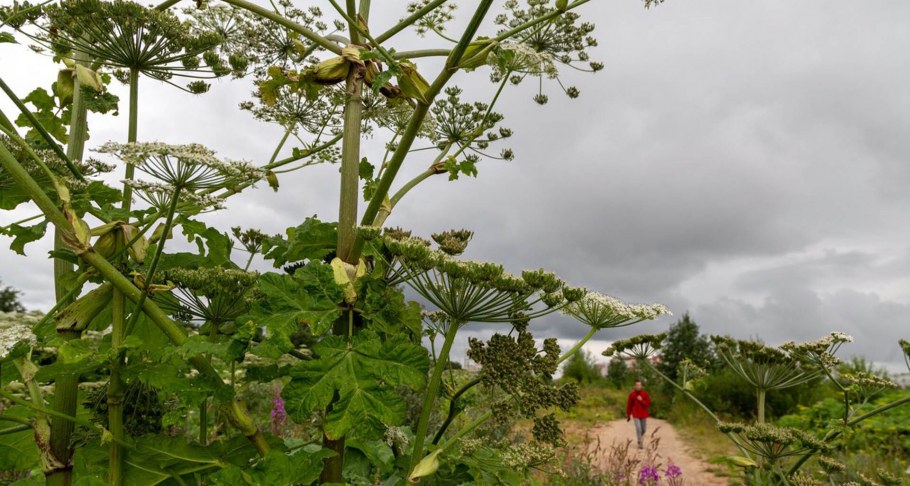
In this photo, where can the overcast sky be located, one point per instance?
(741, 160)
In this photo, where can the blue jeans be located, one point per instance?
(640, 426)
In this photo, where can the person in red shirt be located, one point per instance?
(637, 408)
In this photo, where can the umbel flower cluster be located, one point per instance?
(513, 364)
(215, 296)
(16, 336)
(131, 37)
(468, 291)
(638, 347)
(772, 442)
(765, 367)
(190, 172)
(604, 311)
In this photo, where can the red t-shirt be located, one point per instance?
(638, 408)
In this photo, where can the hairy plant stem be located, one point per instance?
(235, 411)
(66, 385)
(761, 393)
(347, 220)
(116, 391)
(429, 399)
(119, 326)
(350, 160)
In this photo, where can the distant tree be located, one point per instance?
(582, 368)
(617, 372)
(684, 341)
(9, 300)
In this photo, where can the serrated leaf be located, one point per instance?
(310, 297)
(302, 466)
(6, 37)
(364, 373)
(311, 240)
(23, 235)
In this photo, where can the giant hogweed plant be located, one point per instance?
(771, 454)
(180, 334)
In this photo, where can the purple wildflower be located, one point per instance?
(673, 471)
(648, 475)
(279, 416)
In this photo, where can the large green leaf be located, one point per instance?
(309, 297)
(385, 310)
(312, 240)
(18, 451)
(158, 459)
(364, 373)
(301, 466)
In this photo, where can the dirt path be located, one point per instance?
(663, 443)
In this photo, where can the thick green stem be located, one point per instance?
(350, 160)
(429, 399)
(204, 421)
(116, 391)
(364, 10)
(568, 354)
(116, 387)
(761, 394)
(415, 54)
(66, 385)
(131, 135)
(468, 35)
(351, 10)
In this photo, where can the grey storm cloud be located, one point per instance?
(744, 161)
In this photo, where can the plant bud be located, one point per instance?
(412, 84)
(330, 71)
(78, 315)
(272, 179)
(475, 55)
(562, 5)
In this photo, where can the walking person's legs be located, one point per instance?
(640, 427)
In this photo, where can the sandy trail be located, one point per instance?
(669, 447)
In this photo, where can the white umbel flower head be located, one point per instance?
(604, 311)
(15, 331)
